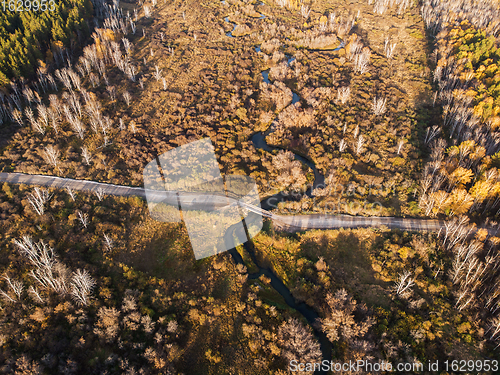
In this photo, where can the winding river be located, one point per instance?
(305, 310)
(259, 141)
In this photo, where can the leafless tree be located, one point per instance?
(343, 94)
(355, 48)
(54, 119)
(164, 84)
(42, 79)
(6, 297)
(84, 219)
(403, 287)
(464, 298)
(48, 272)
(305, 11)
(431, 133)
(361, 61)
(131, 71)
(18, 117)
(389, 48)
(74, 101)
(38, 199)
(17, 286)
(93, 108)
(75, 79)
(71, 193)
(378, 106)
(157, 73)
(147, 11)
(358, 147)
(297, 342)
(94, 79)
(455, 231)
(87, 156)
(126, 45)
(132, 126)
(494, 329)
(112, 92)
(400, 145)
(81, 69)
(51, 155)
(55, 104)
(35, 294)
(105, 125)
(81, 287)
(356, 132)
(342, 145)
(76, 124)
(28, 95)
(64, 77)
(34, 123)
(127, 97)
(52, 81)
(108, 242)
(99, 192)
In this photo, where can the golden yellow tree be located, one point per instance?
(460, 201)
(460, 177)
(481, 190)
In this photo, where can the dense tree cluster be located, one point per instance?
(28, 37)
(416, 292)
(464, 176)
(136, 302)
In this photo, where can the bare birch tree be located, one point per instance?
(127, 97)
(358, 148)
(35, 294)
(18, 117)
(108, 242)
(343, 94)
(51, 155)
(389, 48)
(82, 285)
(87, 156)
(342, 145)
(83, 218)
(71, 193)
(48, 271)
(305, 11)
(16, 286)
(403, 287)
(38, 198)
(99, 192)
(157, 73)
(378, 106)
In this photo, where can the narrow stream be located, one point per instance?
(259, 141)
(305, 310)
(230, 33)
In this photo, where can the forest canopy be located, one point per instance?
(26, 37)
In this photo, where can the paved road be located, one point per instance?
(197, 200)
